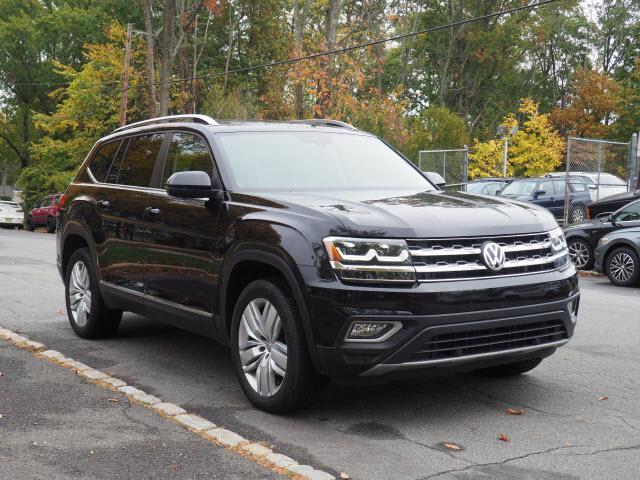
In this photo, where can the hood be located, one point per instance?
(618, 197)
(420, 214)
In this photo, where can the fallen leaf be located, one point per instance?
(0, 417)
(114, 400)
(504, 438)
(344, 476)
(514, 411)
(452, 446)
(60, 311)
(603, 398)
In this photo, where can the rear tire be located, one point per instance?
(581, 253)
(623, 267)
(51, 225)
(88, 315)
(578, 214)
(30, 226)
(511, 369)
(269, 350)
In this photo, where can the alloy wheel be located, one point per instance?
(262, 346)
(80, 293)
(579, 254)
(621, 267)
(578, 215)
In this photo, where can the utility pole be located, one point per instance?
(125, 79)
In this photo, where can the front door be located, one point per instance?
(547, 197)
(182, 236)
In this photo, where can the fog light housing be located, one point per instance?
(371, 331)
(573, 306)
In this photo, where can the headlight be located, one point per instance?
(603, 241)
(558, 240)
(370, 260)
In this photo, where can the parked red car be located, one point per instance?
(45, 214)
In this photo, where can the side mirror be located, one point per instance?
(190, 184)
(436, 179)
(538, 193)
(592, 186)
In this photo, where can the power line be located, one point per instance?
(311, 56)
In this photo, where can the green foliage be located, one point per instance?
(434, 128)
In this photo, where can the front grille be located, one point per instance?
(457, 258)
(488, 340)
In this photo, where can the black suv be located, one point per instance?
(312, 250)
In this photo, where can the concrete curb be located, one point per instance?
(219, 436)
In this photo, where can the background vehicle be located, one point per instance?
(549, 193)
(311, 249)
(487, 186)
(604, 184)
(45, 214)
(610, 204)
(582, 239)
(618, 255)
(11, 214)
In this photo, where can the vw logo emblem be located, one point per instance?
(493, 256)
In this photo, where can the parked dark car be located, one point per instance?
(583, 238)
(550, 192)
(610, 204)
(311, 249)
(487, 186)
(618, 255)
(45, 214)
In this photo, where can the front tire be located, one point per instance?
(581, 253)
(269, 350)
(88, 315)
(511, 369)
(623, 267)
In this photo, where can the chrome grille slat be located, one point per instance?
(460, 258)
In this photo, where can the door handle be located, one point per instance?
(152, 211)
(103, 203)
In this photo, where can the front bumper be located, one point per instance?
(446, 327)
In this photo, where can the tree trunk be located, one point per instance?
(167, 50)
(325, 83)
(299, 14)
(152, 101)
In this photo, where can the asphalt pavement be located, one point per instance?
(581, 407)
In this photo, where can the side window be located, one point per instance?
(630, 213)
(102, 160)
(137, 165)
(559, 186)
(547, 187)
(578, 186)
(187, 152)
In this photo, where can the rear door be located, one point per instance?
(182, 237)
(121, 201)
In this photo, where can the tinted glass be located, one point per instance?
(547, 187)
(187, 152)
(493, 188)
(630, 213)
(102, 160)
(137, 165)
(520, 188)
(578, 187)
(315, 160)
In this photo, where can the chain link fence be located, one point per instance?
(452, 165)
(595, 169)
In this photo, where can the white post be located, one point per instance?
(506, 156)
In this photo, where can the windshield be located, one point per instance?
(315, 160)
(519, 188)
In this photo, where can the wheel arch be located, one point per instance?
(623, 242)
(261, 264)
(75, 237)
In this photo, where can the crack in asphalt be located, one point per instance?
(503, 462)
(605, 450)
(510, 402)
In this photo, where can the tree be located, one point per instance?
(591, 106)
(434, 128)
(87, 110)
(628, 121)
(536, 148)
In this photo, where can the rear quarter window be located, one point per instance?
(102, 160)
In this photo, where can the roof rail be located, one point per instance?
(204, 119)
(326, 122)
